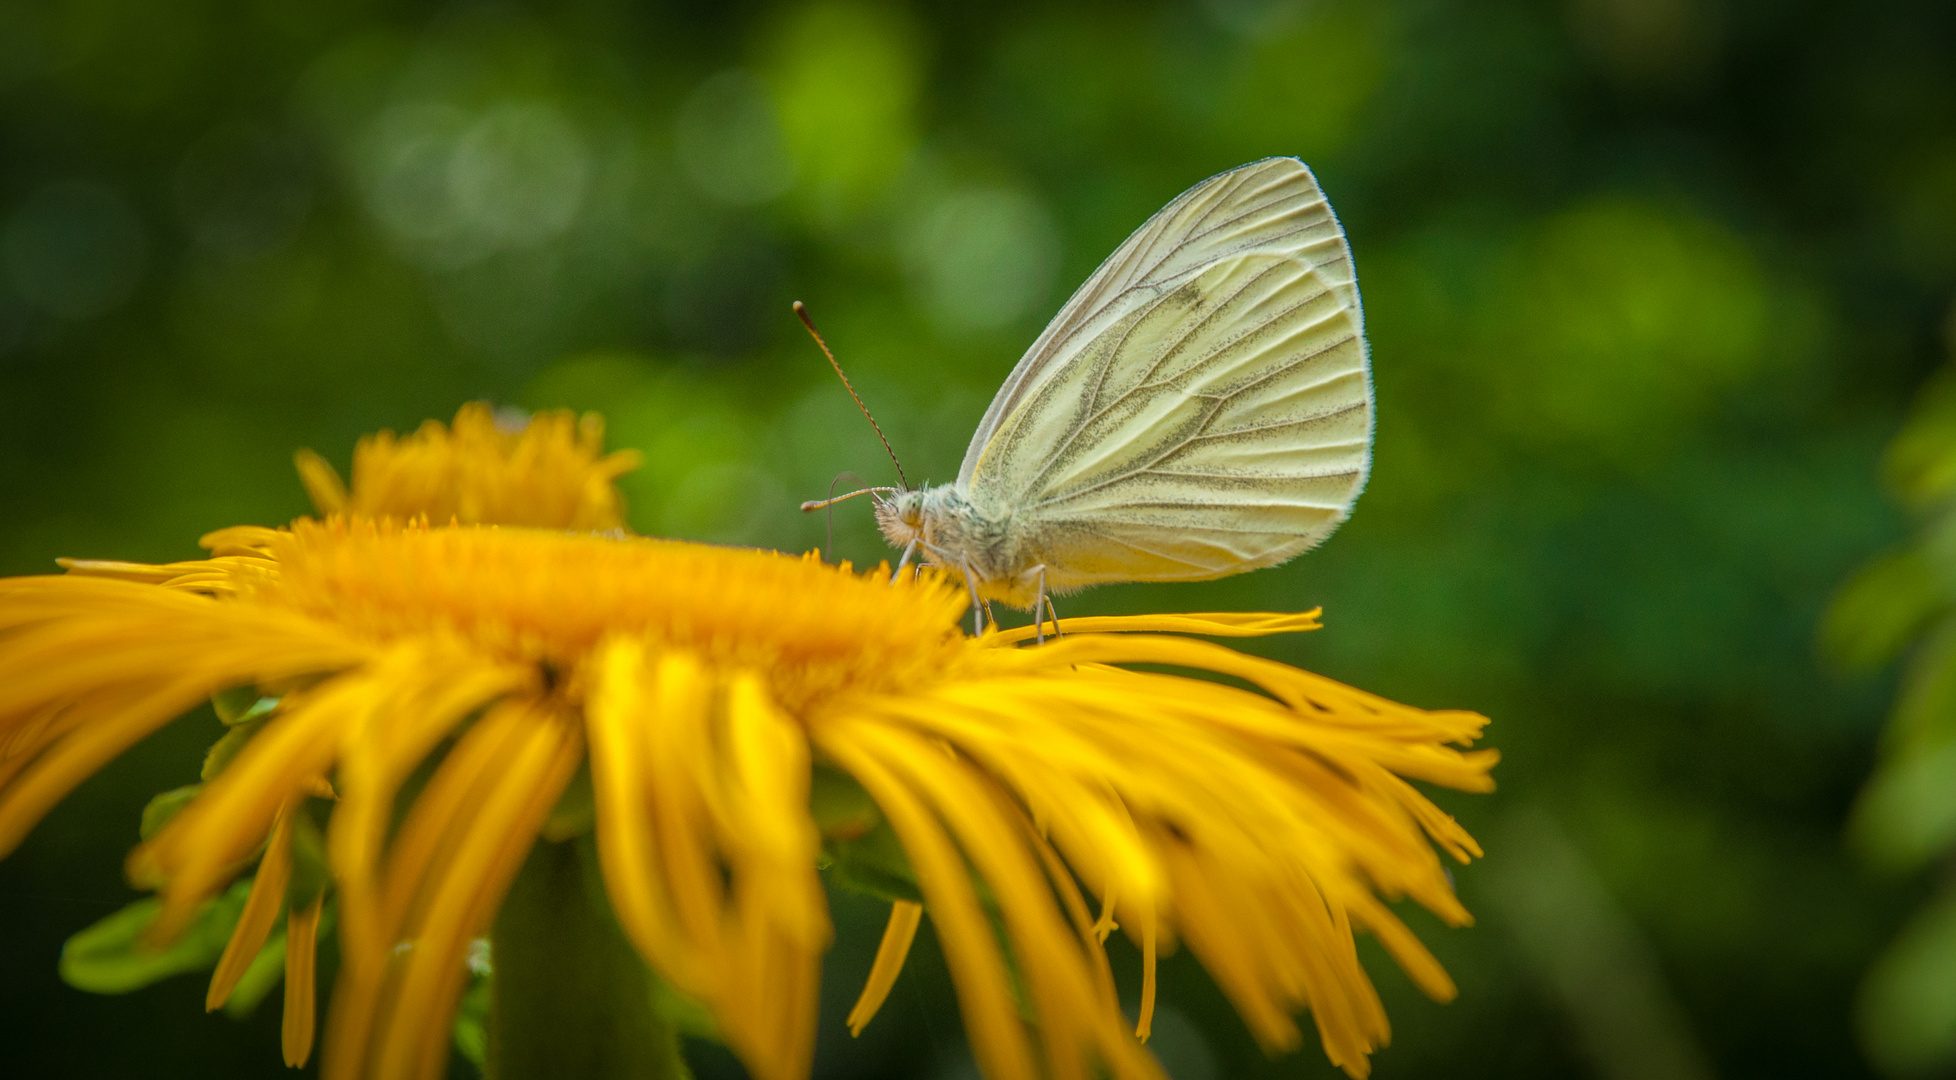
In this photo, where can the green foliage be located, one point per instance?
(1907, 1007)
(1627, 321)
(472, 1021)
(1881, 610)
(310, 874)
(1907, 813)
(874, 863)
(841, 808)
(266, 971)
(576, 810)
(112, 957)
(241, 705)
(846, 78)
(159, 810)
(860, 850)
(1905, 602)
(228, 746)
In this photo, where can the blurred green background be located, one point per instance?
(1649, 284)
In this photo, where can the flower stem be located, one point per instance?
(572, 999)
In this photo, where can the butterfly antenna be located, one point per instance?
(801, 312)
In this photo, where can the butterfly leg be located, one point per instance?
(980, 612)
(977, 605)
(908, 550)
(1039, 605)
(1046, 599)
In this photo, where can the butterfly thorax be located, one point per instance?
(952, 533)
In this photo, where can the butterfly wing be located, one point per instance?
(1271, 206)
(1209, 411)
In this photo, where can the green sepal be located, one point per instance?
(267, 970)
(241, 704)
(576, 810)
(472, 1022)
(841, 808)
(310, 874)
(874, 863)
(226, 748)
(685, 1013)
(159, 810)
(110, 957)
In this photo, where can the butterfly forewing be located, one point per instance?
(1201, 407)
(1271, 207)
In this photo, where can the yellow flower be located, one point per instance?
(548, 470)
(445, 684)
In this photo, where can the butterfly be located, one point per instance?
(1200, 407)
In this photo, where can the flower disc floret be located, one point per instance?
(523, 595)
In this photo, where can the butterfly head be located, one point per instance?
(901, 517)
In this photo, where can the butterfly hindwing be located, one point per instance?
(1219, 427)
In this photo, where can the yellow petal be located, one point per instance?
(890, 954)
(301, 948)
(260, 913)
(1211, 624)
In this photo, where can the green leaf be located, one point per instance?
(267, 970)
(1907, 1005)
(841, 808)
(1906, 816)
(110, 957)
(472, 1024)
(158, 812)
(576, 810)
(685, 1013)
(1884, 607)
(1925, 703)
(874, 863)
(1921, 462)
(310, 874)
(1937, 542)
(241, 704)
(226, 748)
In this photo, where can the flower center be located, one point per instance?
(811, 629)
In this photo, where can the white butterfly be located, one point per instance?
(1202, 406)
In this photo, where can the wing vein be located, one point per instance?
(1096, 412)
(1213, 524)
(1201, 427)
(1278, 425)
